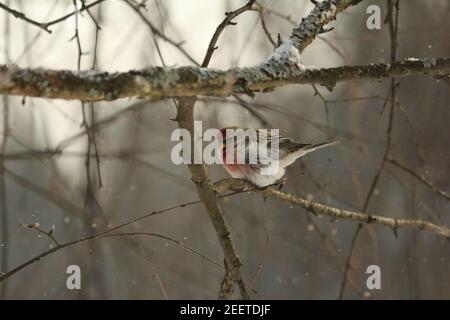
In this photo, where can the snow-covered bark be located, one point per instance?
(281, 68)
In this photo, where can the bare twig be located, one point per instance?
(226, 22)
(35, 226)
(260, 264)
(39, 257)
(45, 25)
(155, 274)
(92, 134)
(65, 17)
(5, 236)
(177, 242)
(161, 34)
(392, 20)
(22, 16)
(422, 179)
(49, 195)
(239, 186)
(264, 26)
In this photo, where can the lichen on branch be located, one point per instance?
(157, 82)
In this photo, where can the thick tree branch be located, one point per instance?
(200, 178)
(160, 83)
(239, 185)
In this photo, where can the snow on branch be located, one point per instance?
(159, 83)
(312, 25)
(282, 67)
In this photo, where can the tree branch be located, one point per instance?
(226, 22)
(239, 185)
(45, 25)
(200, 178)
(22, 16)
(422, 179)
(323, 13)
(160, 83)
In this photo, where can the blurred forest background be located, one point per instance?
(52, 173)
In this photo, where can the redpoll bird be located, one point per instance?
(257, 172)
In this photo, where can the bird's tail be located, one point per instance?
(314, 147)
(303, 149)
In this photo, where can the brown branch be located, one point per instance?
(226, 22)
(261, 13)
(22, 16)
(4, 213)
(392, 20)
(35, 226)
(106, 233)
(63, 18)
(422, 179)
(158, 33)
(45, 25)
(156, 235)
(268, 11)
(190, 81)
(48, 195)
(271, 11)
(160, 83)
(103, 234)
(144, 253)
(239, 185)
(200, 177)
(283, 63)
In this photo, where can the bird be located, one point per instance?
(256, 172)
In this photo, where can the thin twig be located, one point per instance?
(226, 22)
(264, 26)
(5, 235)
(422, 179)
(392, 20)
(65, 17)
(155, 274)
(260, 264)
(39, 257)
(161, 34)
(22, 16)
(35, 226)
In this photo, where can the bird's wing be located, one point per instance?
(259, 145)
(255, 148)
